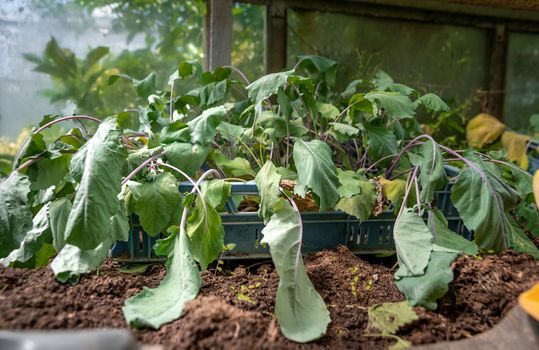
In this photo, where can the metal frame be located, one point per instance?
(499, 22)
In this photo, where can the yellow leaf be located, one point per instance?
(516, 145)
(535, 183)
(483, 130)
(529, 301)
(393, 189)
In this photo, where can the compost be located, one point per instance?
(235, 308)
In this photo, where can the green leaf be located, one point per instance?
(394, 104)
(317, 171)
(176, 131)
(432, 103)
(268, 181)
(300, 310)
(520, 241)
(34, 239)
(71, 261)
(413, 243)
(381, 141)
(135, 268)
(361, 204)
(186, 156)
(528, 215)
(231, 132)
(58, 215)
(387, 318)
(146, 86)
(444, 237)
(155, 307)
(237, 167)
(15, 214)
(165, 246)
(432, 176)
(349, 183)
(119, 225)
(50, 172)
(425, 289)
(328, 111)
(96, 199)
(156, 202)
(206, 231)
(94, 55)
(268, 85)
(204, 127)
(216, 193)
(481, 209)
(344, 129)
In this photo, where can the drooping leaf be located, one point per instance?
(320, 68)
(58, 215)
(165, 246)
(516, 145)
(237, 167)
(204, 127)
(267, 181)
(34, 239)
(119, 224)
(205, 231)
(186, 156)
(317, 171)
(300, 311)
(528, 215)
(444, 237)
(413, 243)
(268, 85)
(50, 172)
(71, 261)
(15, 214)
(360, 205)
(394, 191)
(432, 103)
(156, 202)
(394, 104)
(482, 210)
(432, 176)
(387, 318)
(328, 111)
(483, 129)
(96, 197)
(231, 132)
(176, 131)
(157, 306)
(425, 289)
(137, 157)
(146, 86)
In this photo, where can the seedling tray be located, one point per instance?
(322, 230)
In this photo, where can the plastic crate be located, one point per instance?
(322, 230)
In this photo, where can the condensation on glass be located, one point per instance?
(446, 59)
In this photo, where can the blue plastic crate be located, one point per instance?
(323, 230)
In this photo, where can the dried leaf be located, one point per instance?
(516, 145)
(483, 130)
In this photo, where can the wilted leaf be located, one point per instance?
(187, 157)
(360, 205)
(394, 104)
(58, 215)
(483, 129)
(15, 214)
(381, 141)
(432, 176)
(268, 85)
(432, 102)
(237, 167)
(446, 238)
(71, 261)
(96, 200)
(157, 306)
(387, 318)
(300, 311)
(516, 145)
(204, 127)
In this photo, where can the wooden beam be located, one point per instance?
(218, 38)
(497, 71)
(275, 36)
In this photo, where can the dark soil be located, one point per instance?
(235, 308)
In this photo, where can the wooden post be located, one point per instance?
(276, 31)
(218, 38)
(498, 63)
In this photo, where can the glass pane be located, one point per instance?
(445, 59)
(248, 39)
(140, 36)
(522, 80)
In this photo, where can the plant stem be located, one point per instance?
(240, 73)
(142, 166)
(37, 131)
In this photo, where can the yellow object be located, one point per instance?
(483, 130)
(516, 145)
(529, 301)
(393, 189)
(535, 183)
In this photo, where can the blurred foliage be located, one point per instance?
(8, 149)
(172, 31)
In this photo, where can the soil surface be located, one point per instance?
(236, 306)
